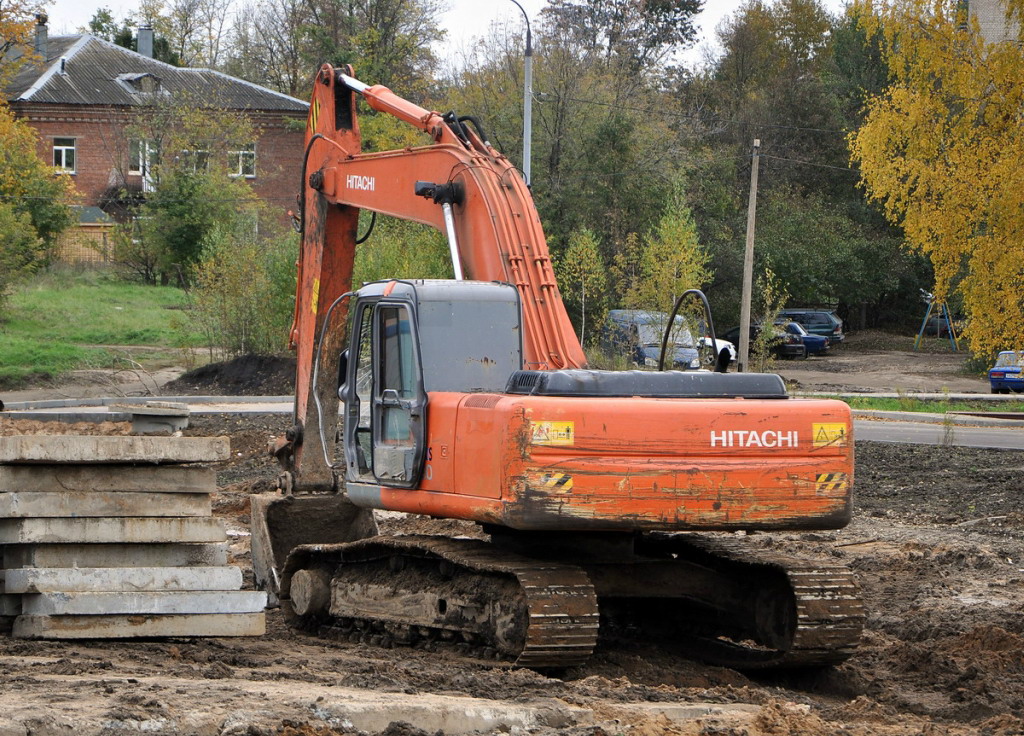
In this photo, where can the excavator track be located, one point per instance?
(713, 598)
(541, 615)
(820, 624)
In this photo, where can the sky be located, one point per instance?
(464, 20)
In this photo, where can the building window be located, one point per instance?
(142, 156)
(193, 162)
(64, 155)
(243, 162)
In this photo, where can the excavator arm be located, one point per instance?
(458, 184)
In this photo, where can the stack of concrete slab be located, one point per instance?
(113, 537)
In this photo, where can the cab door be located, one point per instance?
(385, 402)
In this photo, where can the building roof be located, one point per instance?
(87, 70)
(91, 215)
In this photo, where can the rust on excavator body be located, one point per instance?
(631, 464)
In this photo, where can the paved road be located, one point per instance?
(876, 430)
(920, 433)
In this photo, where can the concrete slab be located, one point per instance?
(129, 530)
(374, 712)
(154, 417)
(97, 449)
(152, 408)
(10, 605)
(103, 504)
(114, 555)
(121, 579)
(156, 602)
(137, 479)
(131, 626)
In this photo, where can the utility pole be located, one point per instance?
(748, 265)
(527, 99)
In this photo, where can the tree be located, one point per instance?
(21, 250)
(641, 32)
(125, 35)
(34, 203)
(671, 260)
(243, 290)
(267, 47)
(582, 281)
(389, 42)
(403, 250)
(28, 185)
(942, 149)
(192, 193)
(17, 23)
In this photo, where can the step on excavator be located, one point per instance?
(612, 503)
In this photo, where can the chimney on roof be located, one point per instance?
(41, 34)
(145, 42)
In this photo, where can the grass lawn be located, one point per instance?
(907, 403)
(65, 320)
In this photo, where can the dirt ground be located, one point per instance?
(937, 542)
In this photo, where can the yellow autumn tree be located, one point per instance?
(942, 148)
(583, 282)
(17, 23)
(671, 260)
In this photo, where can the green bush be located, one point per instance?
(21, 250)
(243, 292)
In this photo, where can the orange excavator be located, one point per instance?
(602, 496)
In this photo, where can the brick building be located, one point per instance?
(88, 90)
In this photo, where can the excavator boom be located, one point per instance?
(493, 228)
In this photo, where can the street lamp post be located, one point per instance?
(527, 98)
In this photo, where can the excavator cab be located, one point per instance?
(408, 338)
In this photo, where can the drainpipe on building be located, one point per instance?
(41, 34)
(145, 41)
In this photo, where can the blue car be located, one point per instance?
(815, 344)
(1005, 376)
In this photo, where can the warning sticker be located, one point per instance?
(557, 482)
(829, 435)
(553, 433)
(831, 482)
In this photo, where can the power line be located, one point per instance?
(811, 163)
(685, 116)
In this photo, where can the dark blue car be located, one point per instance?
(815, 344)
(1006, 376)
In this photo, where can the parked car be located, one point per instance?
(784, 344)
(638, 333)
(1006, 375)
(822, 322)
(719, 346)
(815, 344)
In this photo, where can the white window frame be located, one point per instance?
(147, 156)
(238, 159)
(63, 150)
(195, 160)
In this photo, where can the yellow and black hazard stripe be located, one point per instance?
(831, 481)
(314, 114)
(557, 482)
